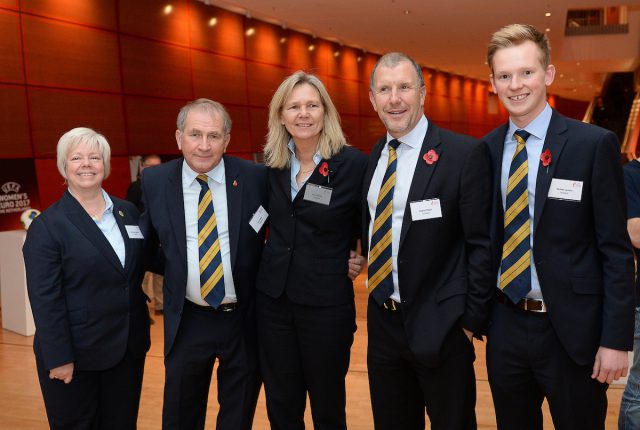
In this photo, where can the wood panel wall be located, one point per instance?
(126, 67)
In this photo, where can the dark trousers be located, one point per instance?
(204, 336)
(97, 399)
(402, 387)
(304, 349)
(526, 363)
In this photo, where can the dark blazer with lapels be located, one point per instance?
(87, 308)
(443, 263)
(164, 221)
(581, 250)
(308, 245)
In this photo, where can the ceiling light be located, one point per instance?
(213, 21)
(250, 31)
(358, 59)
(547, 30)
(168, 9)
(407, 11)
(547, 14)
(283, 39)
(336, 54)
(311, 47)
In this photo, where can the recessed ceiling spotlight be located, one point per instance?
(213, 21)
(250, 31)
(359, 58)
(336, 54)
(547, 30)
(311, 47)
(407, 11)
(283, 39)
(547, 14)
(168, 9)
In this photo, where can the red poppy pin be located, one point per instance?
(235, 183)
(430, 157)
(324, 169)
(545, 158)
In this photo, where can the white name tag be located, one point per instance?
(318, 194)
(257, 220)
(426, 209)
(134, 232)
(563, 189)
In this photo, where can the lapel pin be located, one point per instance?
(430, 157)
(121, 213)
(235, 183)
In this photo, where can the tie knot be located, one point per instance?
(394, 143)
(522, 134)
(202, 179)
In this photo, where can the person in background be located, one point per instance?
(83, 259)
(152, 282)
(629, 418)
(205, 210)
(305, 302)
(426, 194)
(562, 320)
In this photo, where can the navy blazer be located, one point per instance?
(87, 308)
(307, 250)
(444, 264)
(163, 220)
(581, 250)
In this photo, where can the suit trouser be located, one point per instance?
(304, 349)
(203, 336)
(526, 363)
(402, 387)
(94, 399)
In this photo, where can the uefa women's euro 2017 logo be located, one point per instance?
(11, 199)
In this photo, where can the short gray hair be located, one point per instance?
(208, 106)
(77, 136)
(392, 59)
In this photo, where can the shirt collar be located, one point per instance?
(537, 128)
(292, 149)
(416, 136)
(108, 203)
(216, 174)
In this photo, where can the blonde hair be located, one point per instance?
(517, 34)
(332, 140)
(82, 135)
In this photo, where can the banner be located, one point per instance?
(18, 193)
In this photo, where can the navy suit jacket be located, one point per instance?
(87, 308)
(581, 250)
(444, 264)
(308, 245)
(163, 221)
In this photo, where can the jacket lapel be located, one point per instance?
(422, 175)
(174, 199)
(120, 216)
(83, 222)
(234, 184)
(554, 142)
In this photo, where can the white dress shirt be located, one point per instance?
(191, 191)
(407, 155)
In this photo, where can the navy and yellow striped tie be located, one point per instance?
(515, 269)
(380, 265)
(211, 272)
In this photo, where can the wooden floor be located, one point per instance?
(21, 406)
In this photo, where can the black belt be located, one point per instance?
(225, 307)
(526, 304)
(391, 305)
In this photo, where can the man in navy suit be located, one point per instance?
(562, 321)
(196, 331)
(433, 288)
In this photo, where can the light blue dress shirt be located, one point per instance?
(535, 143)
(295, 168)
(109, 227)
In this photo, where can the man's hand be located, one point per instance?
(356, 262)
(64, 373)
(610, 365)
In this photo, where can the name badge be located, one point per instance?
(134, 232)
(425, 209)
(563, 189)
(318, 194)
(257, 220)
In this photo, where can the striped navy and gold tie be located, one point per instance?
(380, 265)
(211, 272)
(515, 269)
